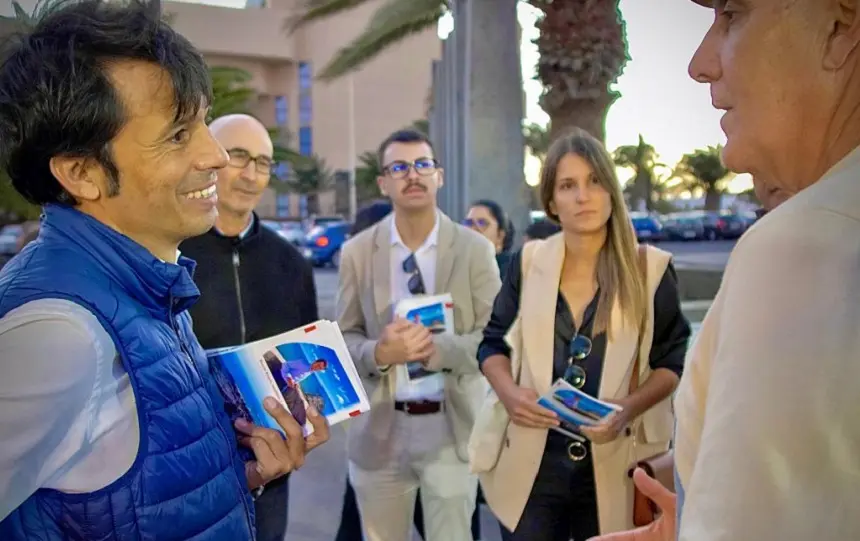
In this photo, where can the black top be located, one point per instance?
(671, 329)
(251, 288)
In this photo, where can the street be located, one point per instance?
(316, 491)
(701, 255)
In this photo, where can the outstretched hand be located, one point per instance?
(663, 528)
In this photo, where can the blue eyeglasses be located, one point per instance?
(400, 169)
(578, 350)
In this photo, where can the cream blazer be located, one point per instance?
(768, 436)
(508, 485)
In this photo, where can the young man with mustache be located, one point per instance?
(416, 433)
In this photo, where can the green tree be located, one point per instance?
(642, 159)
(366, 175)
(310, 176)
(703, 171)
(537, 140)
(231, 93)
(495, 109)
(392, 22)
(583, 51)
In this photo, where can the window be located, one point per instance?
(283, 203)
(305, 109)
(281, 110)
(305, 76)
(306, 146)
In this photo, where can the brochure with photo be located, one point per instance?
(436, 312)
(308, 365)
(575, 408)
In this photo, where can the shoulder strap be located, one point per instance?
(643, 321)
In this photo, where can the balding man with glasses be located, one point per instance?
(253, 283)
(416, 433)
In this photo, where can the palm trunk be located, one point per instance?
(496, 110)
(712, 199)
(588, 114)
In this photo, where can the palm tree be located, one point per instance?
(310, 176)
(393, 22)
(366, 174)
(230, 91)
(642, 158)
(537, 140)
(583, 50)
(703, 171)
(495, 101)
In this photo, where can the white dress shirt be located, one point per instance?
(67, 412)
(429, 387)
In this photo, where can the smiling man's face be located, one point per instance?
(242, 182)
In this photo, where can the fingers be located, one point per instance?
(322, 431)
(284, 419)
(268, 466)
(293, 449)
(655, 491)
(534, 415)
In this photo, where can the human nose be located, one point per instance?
(249, 172)
(211, 154)
(705, 65)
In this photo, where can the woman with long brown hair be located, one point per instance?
(587, 309)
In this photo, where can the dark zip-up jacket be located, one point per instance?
(251, 288)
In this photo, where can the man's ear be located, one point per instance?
(79, 176)
(845, 36)
(441, 176)
(380, 183)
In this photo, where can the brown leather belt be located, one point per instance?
(421, 407)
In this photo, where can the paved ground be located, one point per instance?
(704, 255)
(317, 490)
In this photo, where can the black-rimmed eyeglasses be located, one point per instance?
(239, 157)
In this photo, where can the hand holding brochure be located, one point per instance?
(436, 312)
(308, 365)
(575, 408)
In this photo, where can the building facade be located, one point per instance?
(390, 92)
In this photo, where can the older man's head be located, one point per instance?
(786, 73)
(241, 183)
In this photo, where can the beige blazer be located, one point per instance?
(466, 268)
(507, 487)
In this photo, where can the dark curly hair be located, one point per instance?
(56, 98)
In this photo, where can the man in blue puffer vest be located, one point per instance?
(111, 426)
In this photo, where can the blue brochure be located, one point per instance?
(309, 365)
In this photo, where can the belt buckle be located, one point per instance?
(576, 451)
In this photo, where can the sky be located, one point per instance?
(658, 98)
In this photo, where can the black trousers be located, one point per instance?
(271, 509)
(563, 502)
(350, 518)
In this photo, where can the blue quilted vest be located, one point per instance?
(188, 480)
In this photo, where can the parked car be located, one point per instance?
(289, 230)
(647, 227)
(679, 227)
(9, 236)
(722, 225)
(322, 243)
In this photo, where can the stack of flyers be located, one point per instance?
(575, 408)
(308, 365)
(436, 312)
